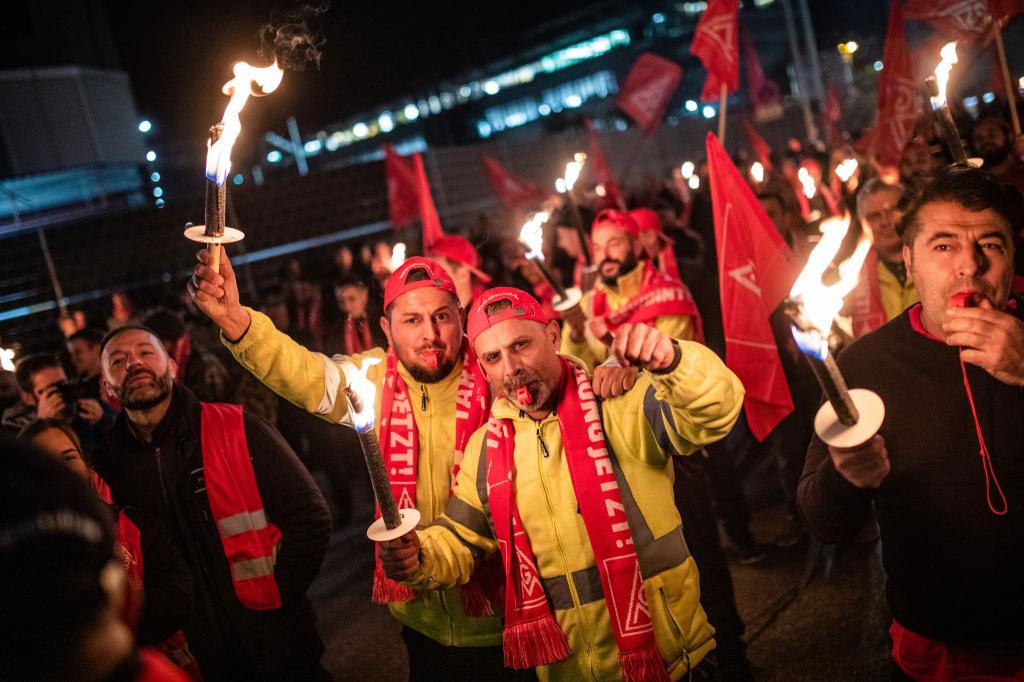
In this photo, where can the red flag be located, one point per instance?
(963, 19)
(602, 174)
(755, 270)
(898, 102)
(512, 190)
(716, 43)
(647, 89)
(762, 150)
(403, 205)
(432, 230)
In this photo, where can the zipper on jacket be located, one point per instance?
(540, 440)
(423, 398)
(160, 477)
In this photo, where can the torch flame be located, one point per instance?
(807, 183)
(356, 380)
(397, 256)
(757, 171)
(249, 80)
(949, 58)
(846, 169)
(7, 359)
(820, 303)
(532, 235)
(572, 173)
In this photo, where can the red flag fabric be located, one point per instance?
(963, 19)
(512, 190)
(601, 173)
(432, 230)
(762, 150)
(716, 43)
(648, 87)
(898, 102)
(403, 204)
(756, 270)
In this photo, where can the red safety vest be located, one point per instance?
(250, 541)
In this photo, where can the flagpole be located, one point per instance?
(1011, 97)
(723, 98)
(798, 68)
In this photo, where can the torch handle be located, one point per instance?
(214, 251)
(952, 135)
(577, 222)
(552, 280)
(834, 387)
(379, 478)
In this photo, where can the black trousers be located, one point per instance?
(430, 661)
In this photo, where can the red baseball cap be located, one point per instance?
(524, 307)
(437, 277)
(456, 248)
(620, 219)
(648, 221)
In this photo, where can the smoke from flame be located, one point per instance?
(290, 40)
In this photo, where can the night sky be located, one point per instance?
(179, 54)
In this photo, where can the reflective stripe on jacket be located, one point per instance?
(661, 416)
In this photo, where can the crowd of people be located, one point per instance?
(571, 465)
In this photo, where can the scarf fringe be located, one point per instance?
(387, 591)
(533, 643)
(643, 665)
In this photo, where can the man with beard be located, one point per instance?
(883, 290)
(430, 397)
(576, 498)
(992, 140)
(243, 512)
(945, 471)
(627, 291)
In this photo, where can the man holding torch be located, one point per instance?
(944, 472)
(628, 290)
(576, 496)
(430, 395)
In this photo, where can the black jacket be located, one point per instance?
(165, 479)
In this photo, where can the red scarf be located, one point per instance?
(399, 442)
(667, 263)
(532, 637)
(865, 301)
(658, 296)
(357, 340)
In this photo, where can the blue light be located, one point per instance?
(151, 156)
(145, 126)
(411, 112)
(988, 97)
(386, 122)
(492, 87)
(160, 203)
(154, 176)
(483, 128)
(573, 101)
(658, 18)
(970, 102)
(708, 111)
(877, 66)
(158, 192)
(274, 156)
(238, 179)
(313, 146)
(691, 105)
(543, 110)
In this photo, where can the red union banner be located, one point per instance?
(403, 204)
(963, 19)
(716, 43)
(512, 190)
(647, 89)
(432, 230)
(898, 100)
(755, 270)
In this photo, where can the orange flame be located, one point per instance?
(949, 58)
(249, 80)
(819, 302)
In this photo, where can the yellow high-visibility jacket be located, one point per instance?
(591, 350)
(896, 297)
(662, 415)
(316, 383)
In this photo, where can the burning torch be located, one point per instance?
(563, 186)
(850, 417)
(248, 81)
(532, 237)
(937, 89)
(361, 394)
